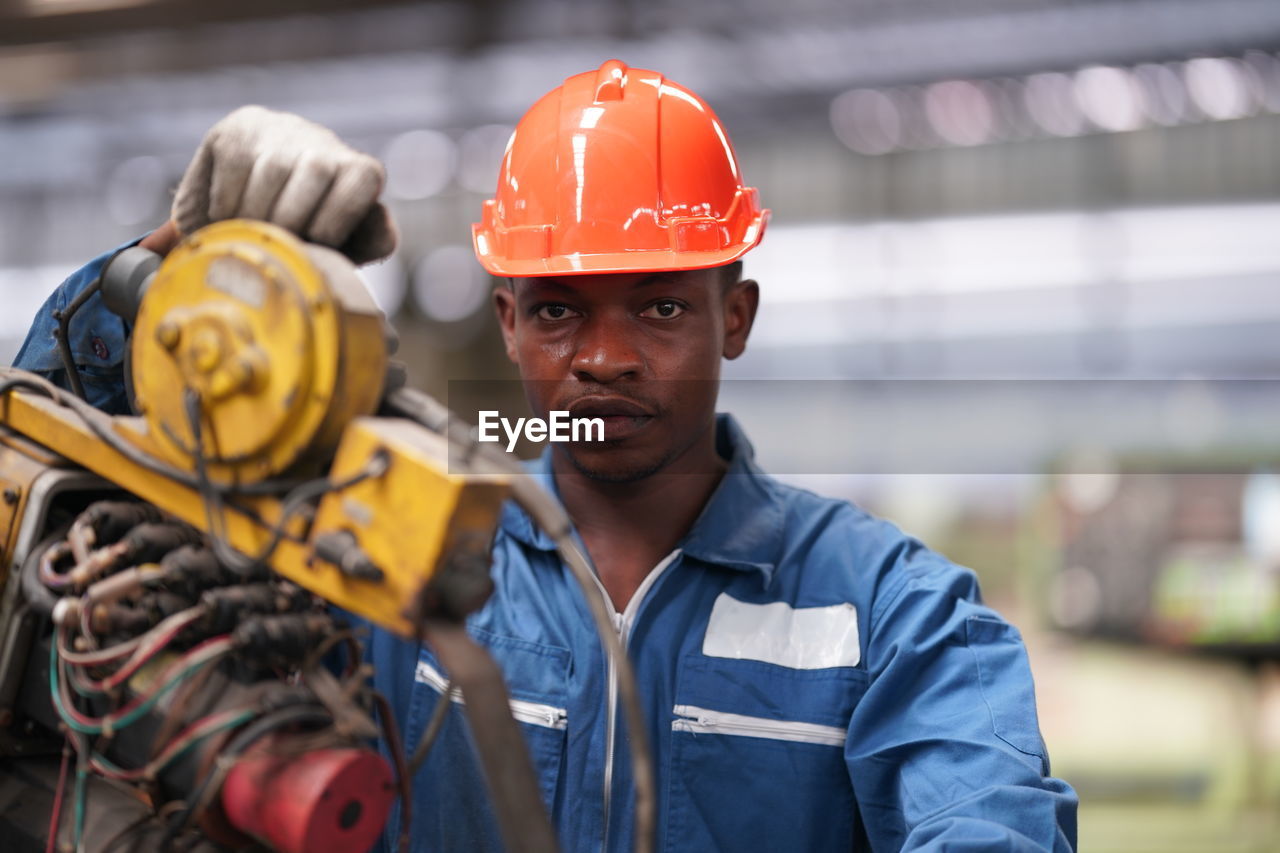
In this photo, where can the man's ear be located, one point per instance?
(504, 306)
(740, 305)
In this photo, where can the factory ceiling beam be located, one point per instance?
(39, 21)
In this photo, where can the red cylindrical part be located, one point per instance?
(323, 801)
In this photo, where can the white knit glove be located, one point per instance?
(280, 168)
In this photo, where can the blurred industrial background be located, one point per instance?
(1031, 190)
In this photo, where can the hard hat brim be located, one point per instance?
(650, 260)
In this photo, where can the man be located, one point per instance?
(812, 678)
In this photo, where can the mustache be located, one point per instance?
(607, 405)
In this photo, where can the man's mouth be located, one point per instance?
(621, 417)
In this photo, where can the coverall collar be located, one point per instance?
(739, 527)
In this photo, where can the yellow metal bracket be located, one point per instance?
(410, 521)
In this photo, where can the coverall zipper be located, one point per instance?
(704, 721)
(624, 623)
(534, 713)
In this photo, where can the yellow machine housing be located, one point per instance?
(279, 338)
(285, 353)
(408, 521)
(21, 463)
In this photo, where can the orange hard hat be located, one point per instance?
(617, 170)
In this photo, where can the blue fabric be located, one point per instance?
(943, 748)
(98, 339)
(942, 752)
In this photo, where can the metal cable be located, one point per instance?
(432, 731)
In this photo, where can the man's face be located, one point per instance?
(640, 350)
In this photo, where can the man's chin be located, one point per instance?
(613, 464)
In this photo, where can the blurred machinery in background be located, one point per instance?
(171, 583)
(962, 188)
(1187, 559)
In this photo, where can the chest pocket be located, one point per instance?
(453, 809)
(757, 753)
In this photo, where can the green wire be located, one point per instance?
(242, 717)
(82, 745)
(128, 719)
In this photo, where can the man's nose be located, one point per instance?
(605, 352)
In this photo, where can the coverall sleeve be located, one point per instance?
(944, 750)
(98, 340)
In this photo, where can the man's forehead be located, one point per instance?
(615, 282)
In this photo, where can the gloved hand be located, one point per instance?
(280, 168)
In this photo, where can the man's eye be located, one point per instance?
(553, 312)
(664, 310)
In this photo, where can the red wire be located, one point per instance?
(172, 625)
(57, 799)
(159, 683)
(136, 662)
(135, 773)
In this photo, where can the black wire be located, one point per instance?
(290, 506)
(434, 726)
(211, 782)
(391, 734)
(215, 517)
(91, 418)
(65, 316)
(294, 500)
(299, 497)
(209, 493)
